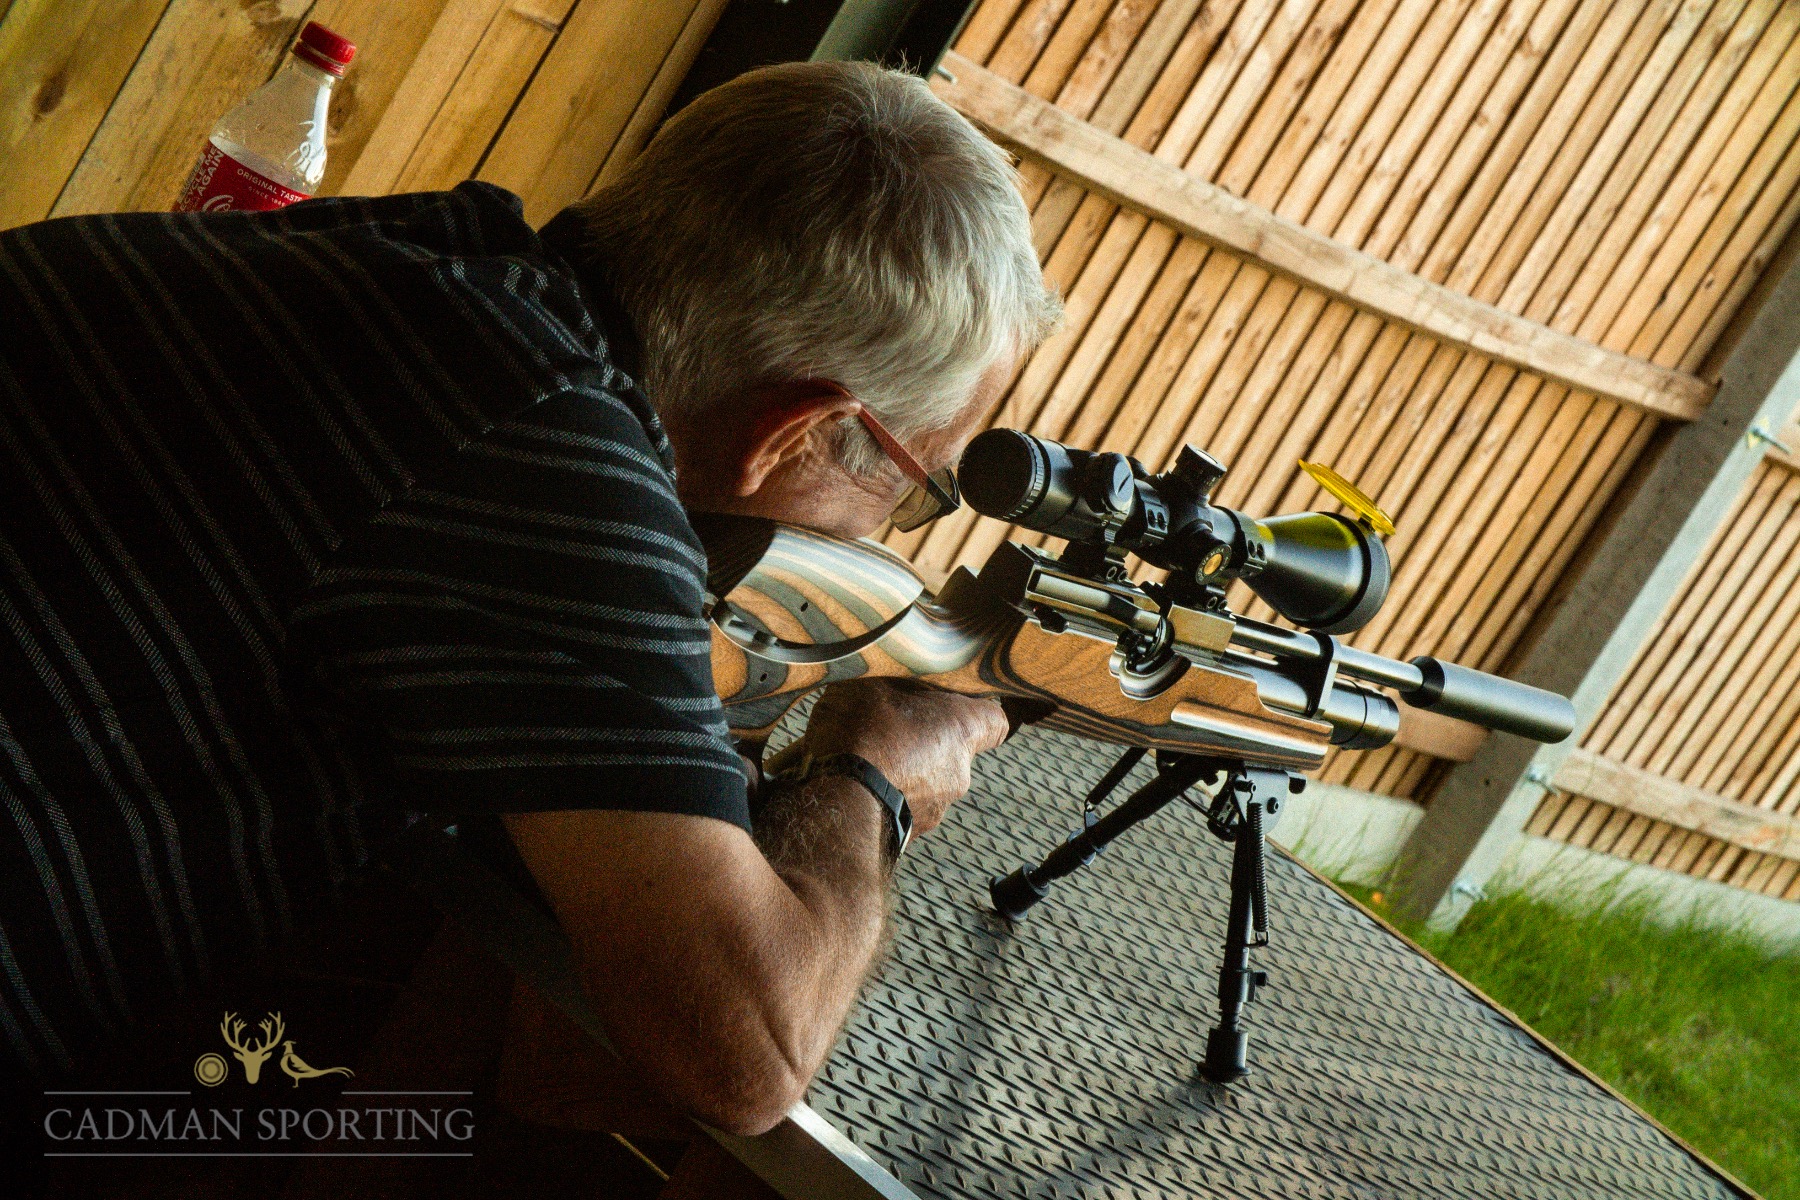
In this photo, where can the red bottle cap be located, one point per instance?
(328, 51)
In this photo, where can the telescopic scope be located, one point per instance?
(1319, 570)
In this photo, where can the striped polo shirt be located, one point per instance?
(309, 519)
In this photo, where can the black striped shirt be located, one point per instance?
(308, 519)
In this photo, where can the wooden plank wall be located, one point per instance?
(1621, 170)
(1712, 701)
(105, 104)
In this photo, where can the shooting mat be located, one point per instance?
(1057, 1059)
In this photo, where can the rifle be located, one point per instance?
(1071, 642)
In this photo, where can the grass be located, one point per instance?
(1700, 1028)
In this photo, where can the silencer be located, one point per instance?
(1491, 702)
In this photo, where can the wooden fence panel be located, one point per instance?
(1711, 705)
(1621, 172)
(61, 64)
(203, 57)
(585, 93)
(105, 107)
(467, 79)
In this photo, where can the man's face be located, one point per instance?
(776, 460)
(855, 506)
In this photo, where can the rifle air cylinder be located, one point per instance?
(1360, 718)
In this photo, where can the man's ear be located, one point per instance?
(787, 413)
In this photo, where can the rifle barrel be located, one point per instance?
(1454, 691)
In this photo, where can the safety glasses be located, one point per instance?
(932, 494)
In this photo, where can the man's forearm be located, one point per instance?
(722, 970)
(826, 840)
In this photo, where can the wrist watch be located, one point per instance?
(855, 767)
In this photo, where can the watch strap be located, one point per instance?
(893, 801)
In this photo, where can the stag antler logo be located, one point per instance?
(210, 1069)
(253, 1057)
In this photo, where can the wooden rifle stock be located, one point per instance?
(796, 610)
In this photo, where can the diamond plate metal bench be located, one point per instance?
(1056, 1058)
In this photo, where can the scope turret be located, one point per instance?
(1318, 570)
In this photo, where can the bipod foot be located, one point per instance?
(1227, 1054)
(1014, 895)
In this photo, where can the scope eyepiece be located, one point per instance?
(1043, 485)
(1318, 570)
(1006, 474)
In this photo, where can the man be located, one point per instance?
(312, 519)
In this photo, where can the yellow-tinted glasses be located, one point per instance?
(932, 494)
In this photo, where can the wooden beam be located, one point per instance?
(1437, 735)
(1625, 581)
(1584, 773)
(1161, 191)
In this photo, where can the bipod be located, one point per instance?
(1238, 814)
(1014, 894)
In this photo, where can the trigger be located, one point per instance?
(1021, 710)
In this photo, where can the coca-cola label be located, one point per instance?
(220, 183)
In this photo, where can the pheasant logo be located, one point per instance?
(210, 1069)
(295, 1068)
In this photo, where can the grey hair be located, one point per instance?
(824, 221)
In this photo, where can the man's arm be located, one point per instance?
(722, 968)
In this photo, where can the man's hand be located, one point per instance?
(921, 738)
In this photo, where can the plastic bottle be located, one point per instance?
(269, 151)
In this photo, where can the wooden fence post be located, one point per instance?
(1610, 608)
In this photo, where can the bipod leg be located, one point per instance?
(1014, 894)
(1248, 797)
